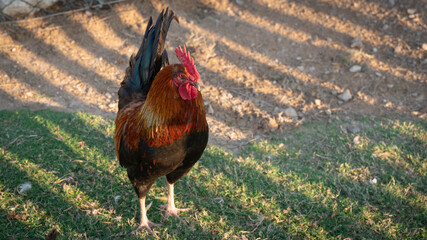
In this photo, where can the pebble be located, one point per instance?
(378, 74)
(356, 140)
(412, 11)
(210, 110)
(291, 113)
(374, 49)
(424, 46)
(373, 181)
(240, 2)
(24, 187)
(390, 85)
(356, 42)
(317, 102)
(111, 105)
(345, 96)
(355, 68)
(108, 95)
(299, 58)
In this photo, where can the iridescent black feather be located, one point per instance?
(151, 57)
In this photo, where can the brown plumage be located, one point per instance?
(161, 127)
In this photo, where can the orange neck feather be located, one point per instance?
(164, 116)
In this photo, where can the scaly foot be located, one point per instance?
(145, 225)
(173, 211)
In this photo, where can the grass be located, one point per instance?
(317, 182)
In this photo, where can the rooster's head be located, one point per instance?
(186, 78)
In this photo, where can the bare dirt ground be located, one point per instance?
(265, 65)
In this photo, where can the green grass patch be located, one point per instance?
(317, 182)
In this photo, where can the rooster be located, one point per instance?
(161, 127)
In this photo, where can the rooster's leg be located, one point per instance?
(144, 223)
(171, 210)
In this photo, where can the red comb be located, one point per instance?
(184, 57)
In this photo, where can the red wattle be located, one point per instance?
(187, 91)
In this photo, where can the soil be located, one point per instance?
(266, 66)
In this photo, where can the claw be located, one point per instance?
(145, 225)
(174, 211)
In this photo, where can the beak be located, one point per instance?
(196, 85)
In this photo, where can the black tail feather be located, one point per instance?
(149, 60)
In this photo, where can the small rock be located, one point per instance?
(411, 11)
(329, 39)
(345, 96)
(356, 140)
(356, 42)
(390, 85)
(291, 113)
(299, 58)
(210, 110)
(355, 68)
(378, 74)
(111, 105)
(424, 46)
(373, 181)
(24, 187)
(374, 49)
(317, 102)
(240, 2)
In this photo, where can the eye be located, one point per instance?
(182, 76)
